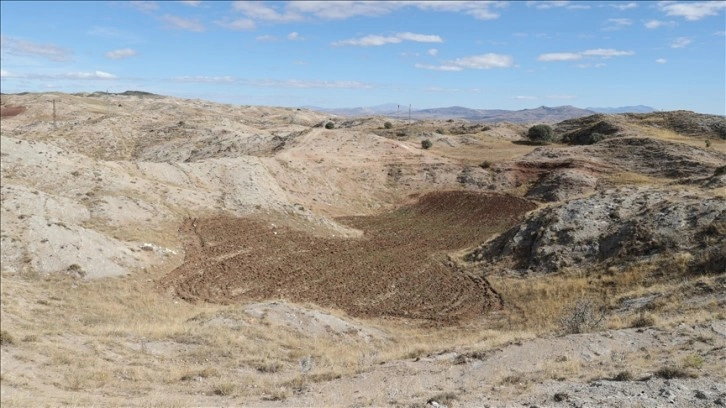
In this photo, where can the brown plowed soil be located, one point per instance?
(398, 268)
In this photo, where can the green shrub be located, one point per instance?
(485, 164)
(426, 144)
(330, 125)
(693, 361)
(540, 133)
(388, 125)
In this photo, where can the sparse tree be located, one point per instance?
(388, 125)
(330, 125)
(426, 144)
(540, 133)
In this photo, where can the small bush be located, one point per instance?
(446, 399)
(693, 361)
(485, 164)
(6, 338)
(708, 143)
(643, 320)
(330, 125)
(593, 138)
(540, 134)
(671, 372)
(623, 376)
(581, 317)
(561, 396)
(388, 125)
(268, 366)
(225, 389)
(426, 144)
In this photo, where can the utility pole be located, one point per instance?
(54, 124)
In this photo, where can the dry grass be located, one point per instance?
(539, 303)
(626, 178)
(671, 136)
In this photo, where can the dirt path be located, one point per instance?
(398, 268)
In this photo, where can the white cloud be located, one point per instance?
(661, 60)
(692, 11)
(484, 61)
(266, 37)
(439, 67)
(378, 40)
(419, 37)
(607, 53)
(183, 24)
(559, 56)
(304, 84)
(573, 56)
(586, 66)
(341, 10)
(653, 24)
(4, 74)
(205, 79)
(368, 41)
(145, 6)
(681, 42)
(721, 33)
(240, 24)
(16, 46)
(433, 52)
(525, 98)
(86, 75)
(95, 75)
(293, 36)
(480, 10)
(626, 6)
(545, 5)
(193, 3)
(112, 32)
(440, 89)
(258, 10)
(121, 53)
(618, 23)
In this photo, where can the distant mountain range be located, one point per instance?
(541, 114)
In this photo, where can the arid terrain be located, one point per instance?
(165, 252)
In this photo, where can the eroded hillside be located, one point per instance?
(181, 252)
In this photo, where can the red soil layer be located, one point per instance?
(398, 268)
(6, 111)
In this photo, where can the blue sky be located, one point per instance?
(488, 55)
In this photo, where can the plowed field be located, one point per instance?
(398, 268)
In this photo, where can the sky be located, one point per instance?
(484, 55)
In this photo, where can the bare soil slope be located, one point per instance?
(398, 268)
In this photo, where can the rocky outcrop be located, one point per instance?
(615, 227)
